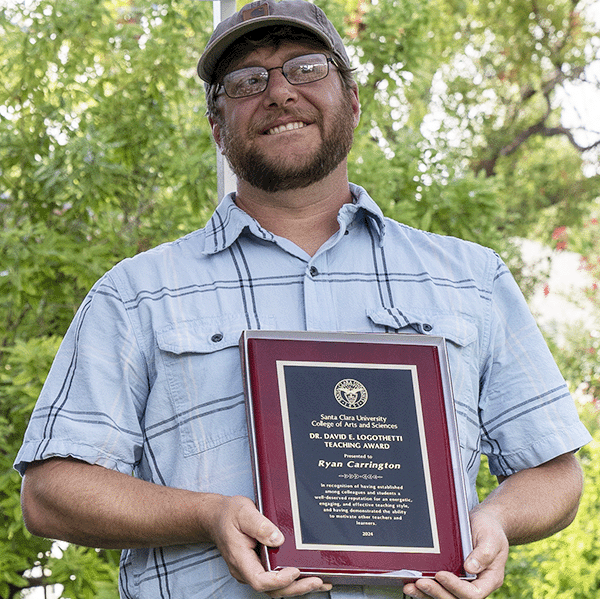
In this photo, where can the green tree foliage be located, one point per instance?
(462, 113)
(106, 152)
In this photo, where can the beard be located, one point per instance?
(272, 174)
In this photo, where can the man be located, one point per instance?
(148, 378)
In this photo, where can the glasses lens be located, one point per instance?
(304, 69)
(245, 82)
(253, 80)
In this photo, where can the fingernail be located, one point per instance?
(276, 538)
(473, 566)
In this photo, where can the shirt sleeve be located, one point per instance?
(92, 402)
(527, 414)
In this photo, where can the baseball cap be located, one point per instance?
(269, 13)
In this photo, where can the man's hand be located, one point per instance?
(487, 560)
(236, 530)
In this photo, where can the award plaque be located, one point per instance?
(355, 454)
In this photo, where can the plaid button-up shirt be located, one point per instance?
(148, 378)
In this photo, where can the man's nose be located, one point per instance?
(279, 90)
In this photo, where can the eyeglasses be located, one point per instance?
(254, 80)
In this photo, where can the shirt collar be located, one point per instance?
(228, 221)
(363, 203)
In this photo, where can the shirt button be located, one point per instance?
(427, 327)
(217, 338)
(314, 271)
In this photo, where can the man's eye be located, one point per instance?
(251, 80)
(243, 83)
(301, 69)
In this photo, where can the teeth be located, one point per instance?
(288, 127)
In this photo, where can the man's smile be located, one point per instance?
(286, 127)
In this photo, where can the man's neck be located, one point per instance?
(306, 216)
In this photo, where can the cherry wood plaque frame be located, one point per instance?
(355, 454)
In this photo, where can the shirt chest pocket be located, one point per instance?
(201, 366)
(462, 336)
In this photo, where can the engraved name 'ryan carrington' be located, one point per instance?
(355, 464)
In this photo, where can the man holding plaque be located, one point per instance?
(148, 379)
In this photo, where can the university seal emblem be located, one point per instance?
(351, 394)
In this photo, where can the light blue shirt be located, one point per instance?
(148, 379)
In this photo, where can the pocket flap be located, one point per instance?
(201, 336)
(453, 327)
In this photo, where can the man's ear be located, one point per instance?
(216, 133)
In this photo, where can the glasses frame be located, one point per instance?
(221, 87)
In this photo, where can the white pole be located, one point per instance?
(226, 181)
